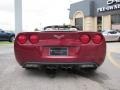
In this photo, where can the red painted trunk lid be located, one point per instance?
(59, 35)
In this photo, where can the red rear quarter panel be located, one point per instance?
(77, 51)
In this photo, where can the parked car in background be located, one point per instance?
(7, 36)
(60, 47)
(111, 35)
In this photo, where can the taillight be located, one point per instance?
(22, 39)
(85, 39)
(34, 39)
(97, 39)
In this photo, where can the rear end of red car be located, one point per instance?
(59, 49)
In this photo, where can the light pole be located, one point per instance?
(18, 16)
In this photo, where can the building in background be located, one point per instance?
(95, 15)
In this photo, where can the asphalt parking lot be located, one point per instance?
(106, 77)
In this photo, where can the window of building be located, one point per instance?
(79, 23)
(115, 19)
(99, 23)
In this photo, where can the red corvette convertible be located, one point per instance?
(60, 47)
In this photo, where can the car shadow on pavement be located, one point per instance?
(96, 76)
(52, 75)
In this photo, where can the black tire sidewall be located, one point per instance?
(11, 39)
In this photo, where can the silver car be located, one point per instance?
(111, 35)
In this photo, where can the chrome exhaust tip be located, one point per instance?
(53, 68)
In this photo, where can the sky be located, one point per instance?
(36, 13)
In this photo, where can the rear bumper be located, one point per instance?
(41, 64)
(79, 54)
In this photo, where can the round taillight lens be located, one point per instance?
(97, 39)
(85, 39)
(34, 39)
(22, 39)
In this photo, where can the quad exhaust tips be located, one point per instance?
(66, 68)
(55, 67)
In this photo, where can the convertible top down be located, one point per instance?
(60, 47)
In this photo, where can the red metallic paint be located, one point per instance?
(78, 51)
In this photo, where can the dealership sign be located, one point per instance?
(110, 2)
(113, 5)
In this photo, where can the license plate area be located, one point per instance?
(58, 51)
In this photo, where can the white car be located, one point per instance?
(111, 35)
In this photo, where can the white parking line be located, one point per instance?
(111, 58)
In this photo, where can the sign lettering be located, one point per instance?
(113, 5)
(110, 2)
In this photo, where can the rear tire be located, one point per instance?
(89, 69)
(119, 39)
(12, 38)
(28, 68)
(86, 70)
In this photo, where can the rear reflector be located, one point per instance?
(97, 39)
(34, 39)
(22, 39)
(85, 39)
